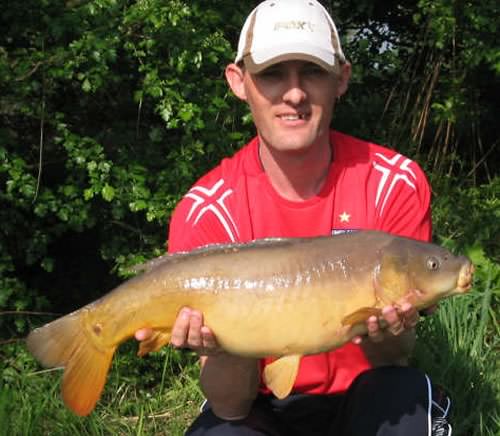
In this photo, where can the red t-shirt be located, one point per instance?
(367, 187)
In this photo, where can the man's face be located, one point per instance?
(292, 104)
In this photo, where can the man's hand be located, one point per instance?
(188, 332)
(395, 320)
(398, 318)
(390, 340)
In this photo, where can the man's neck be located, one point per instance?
(297, 176)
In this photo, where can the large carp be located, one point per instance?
(272, 297)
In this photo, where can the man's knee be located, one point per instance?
(392, 376)
(207, 424)
(392, 399)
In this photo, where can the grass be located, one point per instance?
(468, 369)
(458, 347)
(158, 395)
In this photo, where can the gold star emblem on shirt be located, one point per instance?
(344, 217)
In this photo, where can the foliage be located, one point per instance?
(467, 217)
(116, 108)
(426, 79)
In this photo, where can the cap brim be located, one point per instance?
(255, 68)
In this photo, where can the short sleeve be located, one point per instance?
(407, 211)
(187, 233)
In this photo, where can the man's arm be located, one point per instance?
(393, 344)
(230, 383)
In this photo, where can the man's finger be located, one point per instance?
(374, 331)
(143, 334)
(208, 338)
(409, 315)
(390, 314)
(357, 340)
(181, 328)
(194, 333)
(395, 325)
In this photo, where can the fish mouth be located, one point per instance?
(464, 282)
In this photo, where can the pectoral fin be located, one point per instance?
(280, 375)
(158, 339)
(361, 315)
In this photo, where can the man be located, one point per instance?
(297, 178)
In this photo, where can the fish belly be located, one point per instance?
(277, 325)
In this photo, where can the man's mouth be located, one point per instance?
(292, 117)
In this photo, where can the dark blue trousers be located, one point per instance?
(387, 401)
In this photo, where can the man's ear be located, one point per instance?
(343, 80)
(234, 77)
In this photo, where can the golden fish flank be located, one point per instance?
(314, 294)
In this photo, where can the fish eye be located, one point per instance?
(433, 263)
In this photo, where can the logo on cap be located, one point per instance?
(294, 25)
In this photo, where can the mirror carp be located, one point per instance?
(281, 298)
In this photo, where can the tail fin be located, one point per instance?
(64, 342)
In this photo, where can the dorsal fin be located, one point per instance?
(150, 264)
(209, 249)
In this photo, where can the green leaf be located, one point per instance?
(86, 86)
(138, 205)
(108, 192)
(88, 194)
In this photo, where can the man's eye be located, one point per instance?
(314, 70)
(270, 73)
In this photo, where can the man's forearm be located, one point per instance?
(230, 384)
(392, 350)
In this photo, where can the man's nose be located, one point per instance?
(294, 92)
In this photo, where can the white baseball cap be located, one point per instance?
(282, 30)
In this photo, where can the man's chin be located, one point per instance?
(294, 143)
